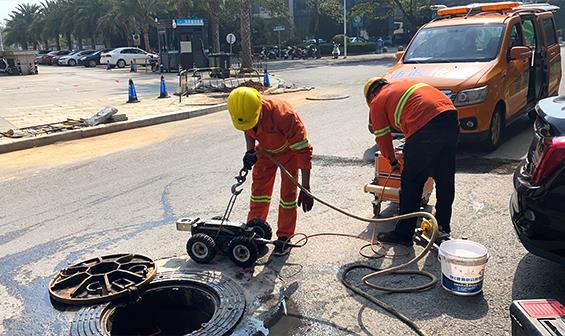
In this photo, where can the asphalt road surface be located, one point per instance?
(122, 193)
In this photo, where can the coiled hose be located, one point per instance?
(376, 272)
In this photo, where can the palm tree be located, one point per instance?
(245, 27)
(19, 24)
(88, 13)
(53, 13)
(146, 10)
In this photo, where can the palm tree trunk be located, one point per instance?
(215, 23)
(93, 41)
(46, 44)
(69, 41)
(80, 46)
(146, 36)
(58, 42)
(245, 27)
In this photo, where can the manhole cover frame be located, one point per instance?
(102, 279)
(93, 320)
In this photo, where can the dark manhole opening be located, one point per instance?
(165, 309)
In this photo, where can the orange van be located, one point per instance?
(495, 61)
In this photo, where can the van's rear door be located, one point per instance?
(552, 53)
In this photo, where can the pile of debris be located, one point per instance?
(104, 116)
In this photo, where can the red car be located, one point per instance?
(48, 58)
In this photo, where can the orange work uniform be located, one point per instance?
(406, 106)
(280, 131)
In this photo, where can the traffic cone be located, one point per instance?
(266, 81)
(108, 66)
(163, 91)
(132, 67)
(132, 95)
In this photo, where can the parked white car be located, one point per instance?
(121, 57)
(72, 58)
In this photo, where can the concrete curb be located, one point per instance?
(45, 140)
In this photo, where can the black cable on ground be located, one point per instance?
(406, 320)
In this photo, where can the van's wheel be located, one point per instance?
(495, 131)
(261, 228)
(121, 64)
(243, 251)
(201, 248)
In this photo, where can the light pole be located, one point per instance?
(344, 28)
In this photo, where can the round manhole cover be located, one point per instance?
(183, 302)
(102, 279)
(328, 97)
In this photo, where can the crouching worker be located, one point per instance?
(430, 125)
(272, 125)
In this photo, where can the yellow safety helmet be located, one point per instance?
(374, 83)
(244, 105)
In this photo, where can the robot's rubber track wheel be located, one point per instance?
(201, 248)
(262, 228)
(243, 251)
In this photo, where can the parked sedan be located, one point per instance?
(72, 58)
(121, 57)
(537, 206)
(55, 59)
(93, 59)
(40, 53)
(48, 58)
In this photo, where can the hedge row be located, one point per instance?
(355, 48)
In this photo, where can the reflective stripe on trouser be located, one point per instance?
(264, 173)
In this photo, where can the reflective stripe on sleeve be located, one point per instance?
(382, 132)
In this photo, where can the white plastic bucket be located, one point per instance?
(462, 266)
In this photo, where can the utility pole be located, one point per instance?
(344, 28)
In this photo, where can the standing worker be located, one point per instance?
(272, 125)
(380, 44)
(430, 125)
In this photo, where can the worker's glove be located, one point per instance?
(395, 166)
(305, 201)
(249, 159)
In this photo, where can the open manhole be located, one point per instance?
(174, 303)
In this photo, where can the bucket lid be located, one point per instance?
(465, 249)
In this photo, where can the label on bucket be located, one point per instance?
(461, 279)
(462, 285)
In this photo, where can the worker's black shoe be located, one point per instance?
(281, 246)
(392, 238)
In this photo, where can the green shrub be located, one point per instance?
(357, 48)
